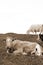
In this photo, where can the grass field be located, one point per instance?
(11, 59)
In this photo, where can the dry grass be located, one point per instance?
(10, 59)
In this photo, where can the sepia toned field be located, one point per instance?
(11, 59)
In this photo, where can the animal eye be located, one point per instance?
(8, 48)
(12, 39)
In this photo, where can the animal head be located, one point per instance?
(9, 45)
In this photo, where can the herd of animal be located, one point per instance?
(25, 47)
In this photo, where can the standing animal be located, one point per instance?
(35, 29)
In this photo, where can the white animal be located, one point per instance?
(35, 28)
(23, 47)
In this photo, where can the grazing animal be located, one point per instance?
(23, 47)
(35, 29)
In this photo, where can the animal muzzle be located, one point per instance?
(10, 50)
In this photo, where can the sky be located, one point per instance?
(18, 15)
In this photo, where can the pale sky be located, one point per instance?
(18, 15)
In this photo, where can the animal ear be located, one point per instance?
(14, 39)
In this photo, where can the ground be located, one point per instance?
(11, 59)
